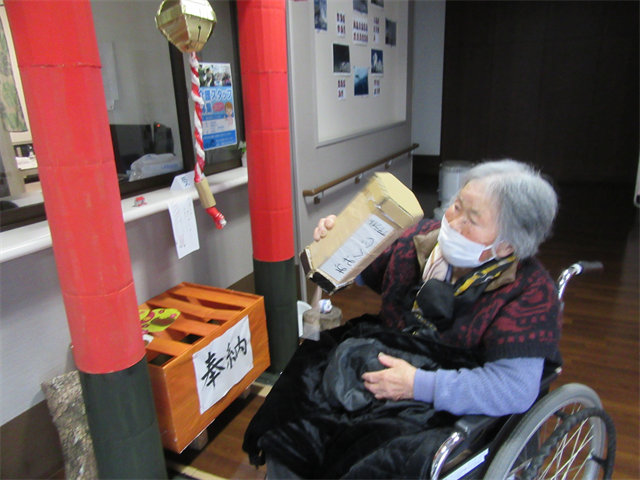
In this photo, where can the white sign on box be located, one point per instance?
(372, 232)
(376, 216)
(223, 363)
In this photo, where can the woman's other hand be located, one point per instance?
(393, 383)
(324, 225)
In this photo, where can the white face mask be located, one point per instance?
(458, 250)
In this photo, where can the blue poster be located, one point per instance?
(218, 111)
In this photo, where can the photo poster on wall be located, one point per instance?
(218, 110)
(341, 59)
(360, 81)
(341, 24)
(361, 31)
(377, 64)
(320, 15)
(376, 87)
(375, 30)
(342, 89)
(390, 33)
(361, 69)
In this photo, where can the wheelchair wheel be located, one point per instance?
(567, 449)
(585, 448)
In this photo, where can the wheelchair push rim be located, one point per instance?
(576, 450)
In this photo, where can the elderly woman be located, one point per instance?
(475, 317)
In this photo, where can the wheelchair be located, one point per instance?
(566, 434)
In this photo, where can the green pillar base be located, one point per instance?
(276, 282)
(123, 423)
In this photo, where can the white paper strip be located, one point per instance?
(185, 228)
(223, 363)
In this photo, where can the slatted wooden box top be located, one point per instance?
(206, 313)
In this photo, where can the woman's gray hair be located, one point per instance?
(527, 203)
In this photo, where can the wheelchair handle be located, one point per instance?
(576, 269)
(586, 266)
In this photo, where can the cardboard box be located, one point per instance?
(373, 220)
(207, 313)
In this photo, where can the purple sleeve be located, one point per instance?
(498, 388)
(423, 386)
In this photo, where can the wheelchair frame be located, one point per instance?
(519, 446)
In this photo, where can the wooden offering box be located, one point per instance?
(206, 313)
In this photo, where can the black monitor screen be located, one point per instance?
(130, 142)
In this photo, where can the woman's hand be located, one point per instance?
(324, 225)
(393, 383)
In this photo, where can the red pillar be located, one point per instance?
(263, 58)
(59, 64)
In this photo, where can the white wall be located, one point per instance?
(314, 163)
(34, 334)
(428, 59)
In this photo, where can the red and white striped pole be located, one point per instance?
(202, 184)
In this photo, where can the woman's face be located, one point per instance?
(474, 215)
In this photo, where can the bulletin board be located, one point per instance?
(361, 66)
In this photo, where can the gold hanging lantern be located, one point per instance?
(187, 24)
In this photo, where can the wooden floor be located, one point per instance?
(600, 334)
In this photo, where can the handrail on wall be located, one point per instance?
(318, 192)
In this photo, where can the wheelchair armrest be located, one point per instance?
(471, 425)
(470, 428)
(466, 431)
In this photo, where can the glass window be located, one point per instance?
(147, 90)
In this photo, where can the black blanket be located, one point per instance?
(320, 422)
